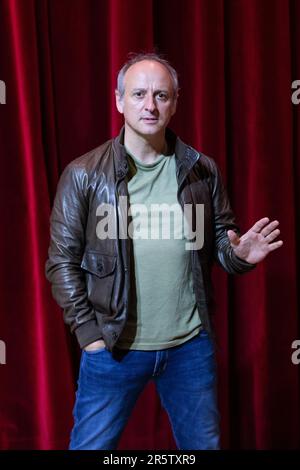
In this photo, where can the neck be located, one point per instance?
(145, 148)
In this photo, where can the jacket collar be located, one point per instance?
(185, 156)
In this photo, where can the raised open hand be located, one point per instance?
(258, 242)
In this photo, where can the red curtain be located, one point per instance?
(236, 60)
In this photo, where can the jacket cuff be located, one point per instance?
(241, 266)
(87, 333)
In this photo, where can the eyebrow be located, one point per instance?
(156, 91)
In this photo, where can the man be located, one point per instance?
(139, 304)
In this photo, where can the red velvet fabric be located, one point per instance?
(236, 61)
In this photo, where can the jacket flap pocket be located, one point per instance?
(98, 264)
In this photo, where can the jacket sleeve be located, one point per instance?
(224, 220)
(67, 240)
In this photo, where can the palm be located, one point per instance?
(258, 242)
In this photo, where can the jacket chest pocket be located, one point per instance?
(99, 271)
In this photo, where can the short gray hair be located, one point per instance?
(138, 57)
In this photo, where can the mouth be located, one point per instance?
(151, 120)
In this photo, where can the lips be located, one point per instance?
(150, 119)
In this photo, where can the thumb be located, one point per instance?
(233, 237)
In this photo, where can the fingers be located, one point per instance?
(268, 229)
(233, 237)
(270, 232)
(260, 224)
(272, 235)
(269, 238)
(275, 245)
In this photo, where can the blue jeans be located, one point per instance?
(110, 383)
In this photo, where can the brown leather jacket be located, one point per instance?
(90, 276)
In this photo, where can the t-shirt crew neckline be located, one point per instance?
(149, 166)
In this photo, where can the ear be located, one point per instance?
(174, 105)
(119, 102)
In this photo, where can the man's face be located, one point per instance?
(148, 102)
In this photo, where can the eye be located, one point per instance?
(163, 96)
(138, 94)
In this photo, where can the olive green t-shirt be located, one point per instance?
(166, 313)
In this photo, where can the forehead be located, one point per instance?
(148, 73)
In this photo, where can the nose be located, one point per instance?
(150, 104)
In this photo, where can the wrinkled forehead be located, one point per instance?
(148, 74)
